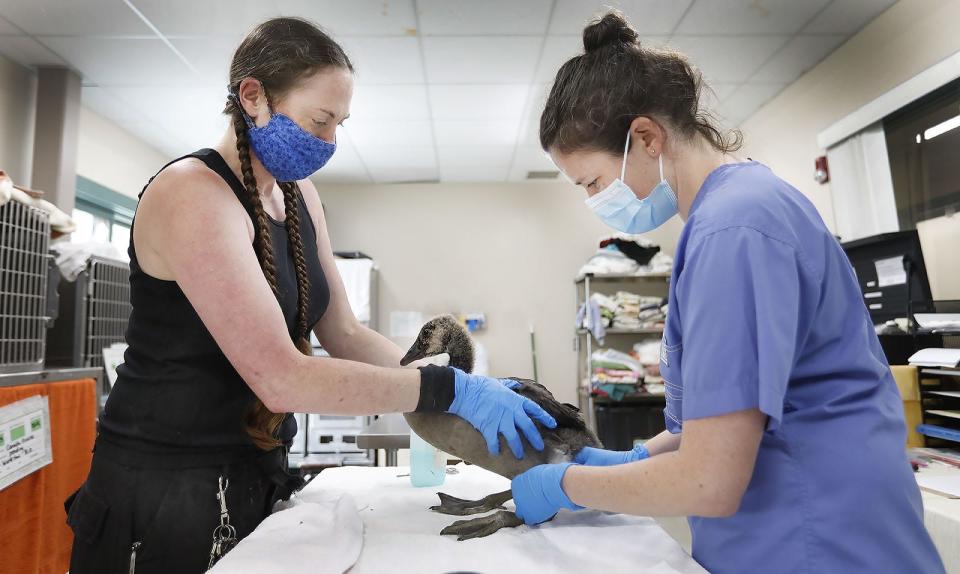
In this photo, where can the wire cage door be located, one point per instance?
(24, 242)
(108, 307)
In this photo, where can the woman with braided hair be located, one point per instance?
(230, 269)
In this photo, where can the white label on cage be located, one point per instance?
(873, 295)
(876, 307)
(890, 271)
(113, 356)
(871, 284)
(24, 438)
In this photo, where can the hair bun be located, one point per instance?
(612, 29)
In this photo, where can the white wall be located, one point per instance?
(18, 90)
(113, 157)
(509, 250)
(908, 38)
(106, 153)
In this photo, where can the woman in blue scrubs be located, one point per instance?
(786, 439)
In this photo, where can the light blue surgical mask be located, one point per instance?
(286, 150)
(619, 207)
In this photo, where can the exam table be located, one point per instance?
(370, 520)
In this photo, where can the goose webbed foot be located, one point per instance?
(460, 507)
(482, 526)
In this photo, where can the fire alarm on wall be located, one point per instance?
(821, 173)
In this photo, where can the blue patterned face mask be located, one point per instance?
(619, 207)
(286, 150)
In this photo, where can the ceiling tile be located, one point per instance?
(200, 135)
(345, 166)
(711, 95)
(532, 158)
(346, 145)
(346, 154)
(656, 17)
(397, 157)
(529, 159)
(28, 52)
(87, 18)
(558, 49)
(206, 17)
(189, 103)
(475, 155)
(749, 17)
(210, 55)
(498, 133)
(402, 102)
(8, 28)
(378, 133)
(191, 115)
(481, 59)
(723, 91)
(404, 174)
(847, 16)
(746, 100)
(389, 60)
(477, 102)
(799, 55)
(470, 174)
(392, 60)
(716, 93)
(108, 105)
(458, 17)
(327, 176)
(530, 131)
(538, 98)
(357, 17)
(489, 63)
(342, 164)
(106, 61)
(157, 137)
(728, 59)
(518, 175)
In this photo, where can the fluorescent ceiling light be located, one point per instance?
(941, 128)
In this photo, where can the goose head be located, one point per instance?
(442, 334)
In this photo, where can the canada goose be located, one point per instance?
(456, 436)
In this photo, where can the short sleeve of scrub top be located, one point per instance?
(739, 303)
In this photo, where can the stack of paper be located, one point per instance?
(949, 358)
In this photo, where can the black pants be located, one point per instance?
(170, 513)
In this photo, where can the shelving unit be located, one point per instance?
(653, 284)
(940, 402)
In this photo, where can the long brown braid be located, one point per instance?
(278, 53)
(291, 206)
(261, 422)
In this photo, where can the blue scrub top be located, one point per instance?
(766, 313)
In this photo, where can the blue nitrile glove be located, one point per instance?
(493, 409)
(538, 493)
(511, 384)
(601, 457)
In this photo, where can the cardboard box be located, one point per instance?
(912, 414)
(907, 381)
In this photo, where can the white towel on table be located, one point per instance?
(317, 537)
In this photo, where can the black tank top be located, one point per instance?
(177, 400)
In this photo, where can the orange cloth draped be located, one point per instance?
(34, 536)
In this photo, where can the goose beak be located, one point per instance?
(411, 356)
